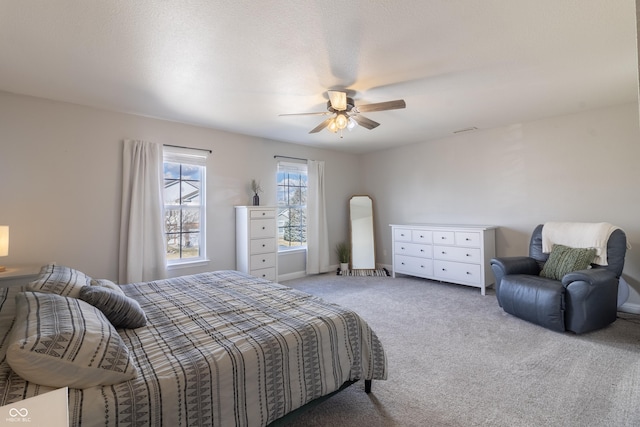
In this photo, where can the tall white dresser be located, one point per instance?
(449, 253)
(256, 241)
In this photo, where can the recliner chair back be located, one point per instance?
(616, 250)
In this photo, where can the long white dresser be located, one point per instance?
(256, 241)
(449, 253)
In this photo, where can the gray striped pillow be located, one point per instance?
(105, 283)
(58, 341)
(122, 311)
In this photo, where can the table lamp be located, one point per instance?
(4, 243)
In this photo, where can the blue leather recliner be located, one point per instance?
(582, 301)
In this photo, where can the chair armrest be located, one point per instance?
(593, 276)
(516, 265)
(591, 299)
(512, 265)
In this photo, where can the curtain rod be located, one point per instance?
(287, 157)
(188, 148)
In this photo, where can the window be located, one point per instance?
(184, 205)
(292, 205)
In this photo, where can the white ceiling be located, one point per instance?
(235, 64)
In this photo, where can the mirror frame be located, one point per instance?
(373, 233)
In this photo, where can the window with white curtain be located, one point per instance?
(292, 205)
(184, 204)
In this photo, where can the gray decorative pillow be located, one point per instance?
(61, 280)
(563, 260)
(105, 283)
(64, 342)
(122, 311)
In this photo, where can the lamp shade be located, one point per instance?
(4, 240)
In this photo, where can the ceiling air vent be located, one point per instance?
(465, 129)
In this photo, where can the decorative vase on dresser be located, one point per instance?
(256, 241)
(449, 253)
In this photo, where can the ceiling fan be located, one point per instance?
(345, 114)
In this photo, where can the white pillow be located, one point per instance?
(64, 342)
(60, 280)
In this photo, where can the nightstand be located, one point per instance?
(17, 275)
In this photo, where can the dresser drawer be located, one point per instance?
(262, 213)
(469, 239)
(414, 249)
(259, 246)
(444, 238)
(455, 253)
(422, 236)
(263, 261)
(401, 235)
(414, 266)
(265, 273)
(457, 272)
(261, 228)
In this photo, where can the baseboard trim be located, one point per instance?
(300, 274)
(629, 307)
(291, 276)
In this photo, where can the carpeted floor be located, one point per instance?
(456, 359)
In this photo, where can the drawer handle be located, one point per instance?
(467, 239)
(402, 248)
(468, 254)
(401, 234)
(421, 236)
(468, 272)
(444, 269)
(264, 213)
(402, 263)
(264, 260)
(443, 238)
(422, 266)
(263, 245)
(421, 250)
(264, 228)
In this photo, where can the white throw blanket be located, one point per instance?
(578, 235)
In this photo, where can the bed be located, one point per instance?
(220, 348)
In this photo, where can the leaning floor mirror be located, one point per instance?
(363, 252)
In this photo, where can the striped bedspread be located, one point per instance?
(220, 348)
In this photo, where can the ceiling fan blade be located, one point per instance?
(364, 122)
(321, 126)
(381, 106)
(338, 100)
(323, 113)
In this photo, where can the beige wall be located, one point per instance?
(60, 183)
(581, 167)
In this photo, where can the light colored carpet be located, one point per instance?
(457, 359)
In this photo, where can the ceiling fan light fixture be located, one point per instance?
(341, 121)
(338, 100)
(333, 127)
(345, 115)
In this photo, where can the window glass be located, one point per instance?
(184, 207)
(292, 205)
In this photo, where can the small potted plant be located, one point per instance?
(343, 251)
(255, 187)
